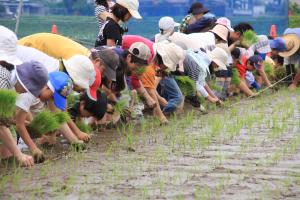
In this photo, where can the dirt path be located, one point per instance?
(248, 152)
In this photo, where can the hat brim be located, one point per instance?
(167, 62)
(292, 51)
(135, 14)
(221, 65)
(110, 73)
(59, 101)
(73, 75)
(200, 11)
(92, 93)
(21, 82)
(14, 60)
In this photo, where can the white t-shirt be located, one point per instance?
(195, 41)
(28, 102)
(206, 41)
(27, 54)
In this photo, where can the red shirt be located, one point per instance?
(128, 40)
(135, 82)
(242, 68)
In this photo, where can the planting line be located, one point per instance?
(260, 92)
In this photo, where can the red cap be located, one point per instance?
(92, 91)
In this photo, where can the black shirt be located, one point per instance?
(110, 30)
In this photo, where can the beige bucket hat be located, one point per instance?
(221, 31)
(220, 57)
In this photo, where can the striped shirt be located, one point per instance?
(99, 10)
(5, 78)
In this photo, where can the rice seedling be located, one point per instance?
(186, 85)
(84, 127)
(7, 106)
(62, 117)
(7, 103)
(47, 122)
(249, 37)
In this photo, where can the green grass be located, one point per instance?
(7, 103)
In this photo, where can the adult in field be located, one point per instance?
(291, 54)
(111, 32)
(196, 21)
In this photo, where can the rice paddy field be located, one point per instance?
(249, 150)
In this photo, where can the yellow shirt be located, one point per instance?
(54, 45)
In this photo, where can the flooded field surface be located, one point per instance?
(249, 151)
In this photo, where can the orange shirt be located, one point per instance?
(148, 77)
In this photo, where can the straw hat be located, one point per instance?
(292, 43)
(221, 31)
(220, 57)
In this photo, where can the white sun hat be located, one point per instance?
(225, 22)
(132, 6)
(220, 57)
(171, 54)
(81, 70)
(8, 46)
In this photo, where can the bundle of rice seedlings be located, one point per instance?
(235, 77)
(72, 99)
(43, 123)
(249, 37)
(121, 106)
(279, 72)
(269, 70)
(7, 103)
(186, 85)
(62, 117)
(214, 86)
(83, 127)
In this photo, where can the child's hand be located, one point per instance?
(83, 136)
(25, 160)
(38, 155)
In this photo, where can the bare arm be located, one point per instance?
(21, 116)
(9, 142)
(157, 111)
(264, 76)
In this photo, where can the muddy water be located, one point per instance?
(253, 153)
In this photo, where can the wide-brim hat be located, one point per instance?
(171, 54)
(221, 31)
(132, 6)
(292, 43)
(81, 70)
(220, 57)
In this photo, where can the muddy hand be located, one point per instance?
(220, 103)
(38, 156)
(84, 136)
(25, 160)
(151, 103)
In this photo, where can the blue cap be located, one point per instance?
(256, 61)
(278, 44)
(61, 85)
